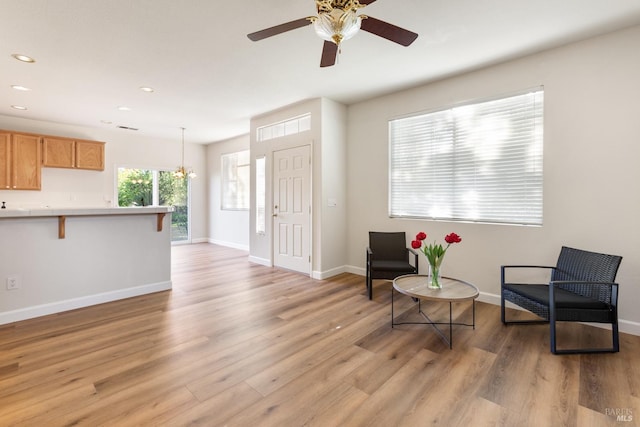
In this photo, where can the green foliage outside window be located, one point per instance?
(135, 187)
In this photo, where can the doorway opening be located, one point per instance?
(154, 187)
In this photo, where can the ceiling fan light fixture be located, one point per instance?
(338, 25)
(336, 21)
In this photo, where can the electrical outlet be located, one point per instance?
(13, 283)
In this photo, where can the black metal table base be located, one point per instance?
(451, 323)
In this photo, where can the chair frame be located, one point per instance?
(570, 263)
(390, 275)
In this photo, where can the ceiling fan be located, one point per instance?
(337, 20)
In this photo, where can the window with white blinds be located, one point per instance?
(478, 162)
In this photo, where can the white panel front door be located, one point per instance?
(292, 209)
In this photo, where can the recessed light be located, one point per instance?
(23, 58)
(18, 107)
(106, 122)
(146, 89)
(18, 87)
(124, 108)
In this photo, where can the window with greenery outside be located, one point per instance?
(140, 187)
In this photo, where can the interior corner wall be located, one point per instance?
(85, 188)
(226, 227)
(333, 232)
(591, 152)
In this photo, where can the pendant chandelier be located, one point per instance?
(181, 172)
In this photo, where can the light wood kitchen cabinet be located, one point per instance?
(90, 155)
(70, 153)
(20, 161)
(5, 161)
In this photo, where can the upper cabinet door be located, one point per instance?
(5, 161)
(26, 162)
(58, 152)
(69, 153)
(90, 155)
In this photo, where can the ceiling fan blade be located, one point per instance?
(278, 29)
(388, 31)
(366, 2)
(329, 54)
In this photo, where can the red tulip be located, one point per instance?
(415, 244)
(421, 236)
(452, 238)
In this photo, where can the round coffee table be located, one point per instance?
(452, 291)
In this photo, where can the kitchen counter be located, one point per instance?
(51, 211)
(64, 213)
(60, 259)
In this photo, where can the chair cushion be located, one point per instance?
(400, 266)
(564, 299)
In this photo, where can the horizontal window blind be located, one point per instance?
(477, 162)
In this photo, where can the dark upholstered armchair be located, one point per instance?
(582, 289)
(388, 257)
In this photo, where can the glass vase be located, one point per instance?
(435, 277)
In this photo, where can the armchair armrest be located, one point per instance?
(415, 258)
(503, 269)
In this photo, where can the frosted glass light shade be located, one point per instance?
(338, 25)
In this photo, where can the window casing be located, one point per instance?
(290, 126)
(235, 181)
(479, 162)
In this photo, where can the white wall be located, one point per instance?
(591, 173)
(228, 228)
(78, 188)
(333, 228)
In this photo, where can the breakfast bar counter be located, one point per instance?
(62, 214)
(59, 259)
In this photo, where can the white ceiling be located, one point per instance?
(93, 55)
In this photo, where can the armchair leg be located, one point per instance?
(616, 338)
(615, 348)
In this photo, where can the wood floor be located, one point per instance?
(238, 344)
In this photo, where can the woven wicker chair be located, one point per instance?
(388, 257)
(581, 289)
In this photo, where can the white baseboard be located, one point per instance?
(320, 275)
(228, 244)
(360, 271)
(261, 261)
(72, 304)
